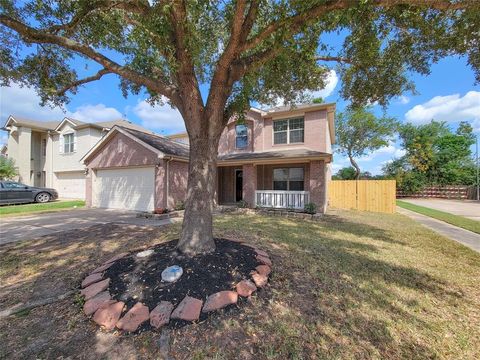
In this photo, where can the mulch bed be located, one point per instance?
(134, 279)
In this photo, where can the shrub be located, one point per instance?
(7, 168)
(242, 204)
(310, 208)
(180, 205)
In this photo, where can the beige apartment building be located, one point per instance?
(48, 153)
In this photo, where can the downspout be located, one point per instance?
(167, 174)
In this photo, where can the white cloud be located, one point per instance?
(450, 108)
(403, 100)
(159, 117)
(24, 102)
(94, 113)
(330, 85)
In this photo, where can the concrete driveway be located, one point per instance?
(467, 208)
(32, 226)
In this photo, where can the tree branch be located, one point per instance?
(77, 83)
(293, 23)
(131, 6)
(32, 35)
(333, 58)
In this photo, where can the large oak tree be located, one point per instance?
(244, 50)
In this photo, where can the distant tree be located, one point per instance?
(318, 100)
(346, 173)
(442, 156)
(359, 131)
(7, 168)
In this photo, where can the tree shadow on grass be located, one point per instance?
(342, 291)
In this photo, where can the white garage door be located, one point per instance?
(126, 188)
(70, 185)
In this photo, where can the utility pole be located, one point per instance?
(478, 178)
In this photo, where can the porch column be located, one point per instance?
(318, 185)
(249, 184)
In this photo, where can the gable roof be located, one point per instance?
(160, 145)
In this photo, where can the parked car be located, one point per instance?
(16, 193)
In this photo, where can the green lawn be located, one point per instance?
(456, 220)
(12, 210)
(354, 285)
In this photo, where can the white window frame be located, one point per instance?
(236, 136)
(288, 131)
(71, 144)
(44, 148)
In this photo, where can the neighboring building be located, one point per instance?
(48, 153)
(135, 170)
(276, 158)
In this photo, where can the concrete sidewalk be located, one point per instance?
(466, 208)
(465, 237)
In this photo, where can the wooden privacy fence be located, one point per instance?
(366, 195)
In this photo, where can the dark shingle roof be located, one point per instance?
(279, 154)
(165, 145)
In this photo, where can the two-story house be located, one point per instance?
(276, 158)
(48, 153)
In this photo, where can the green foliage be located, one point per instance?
(435, 155)
(7, 168)
(310, 208)
(180, 205)
(359, 131)
(280, 47)
(346, 173)
(242, 204)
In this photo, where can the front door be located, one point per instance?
(238, 185)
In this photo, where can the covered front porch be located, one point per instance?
(280, 185)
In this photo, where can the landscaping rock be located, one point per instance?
(102, 268)
(264, 260)
(259, 280)
(137, 315)
(245, 288)
(96, 302)
(188, 309)
(219, 300)
(94, 289)
(263, 270)
(160, 315)
(91, 279)
(116, 257)
(107, 316)
(261, 252)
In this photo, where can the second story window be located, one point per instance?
(44, 147)
(241, 139)
(68, 143)
(288, 131)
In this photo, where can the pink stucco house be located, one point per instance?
(277, 158)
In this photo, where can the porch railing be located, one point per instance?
(280, 199)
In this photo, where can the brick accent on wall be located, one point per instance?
(318, 185)
(178, 178)
(249, 184)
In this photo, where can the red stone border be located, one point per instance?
(107, 312)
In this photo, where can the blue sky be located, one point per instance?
(448, 94)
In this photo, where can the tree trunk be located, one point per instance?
(197, 228)
(357, 168)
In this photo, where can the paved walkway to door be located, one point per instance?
(467, 208)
